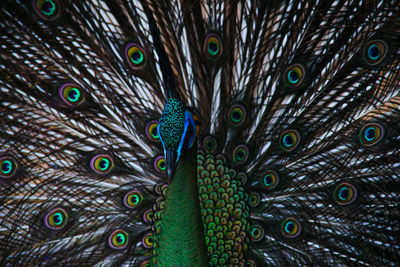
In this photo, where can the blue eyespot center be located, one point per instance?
(343, 193)
(103, 164)
(57, 218)
(236, 116)
(293, 76)
(213, 47)
(255, 232)
(369, 133)
(268, 179)
(74, 95)
(48, 8)
(120, 238)
(6, 167)
(289, 227)
(288, 140)
(373, 52)
(137, 57)
(154, 132)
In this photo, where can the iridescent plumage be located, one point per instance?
(281, 118)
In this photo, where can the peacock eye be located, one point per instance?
(47, 9)
(294, 75)
(345, 194)
(289, 140)
(132, 199)
(148, 240)
(240, 154)
(213, 46)
(56, 219)
(8, 167)
(159, 164)
(371, 134)
(291, 227)
(102, 164)
(375, 51)
(270, 180)
(71, 94)
(148, 216)
(254, 199)
(257, 233)
(237, 115)
(135, 56)
(118, 239)
(151, 131)
(210, 144)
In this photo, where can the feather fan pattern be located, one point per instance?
(199, 133)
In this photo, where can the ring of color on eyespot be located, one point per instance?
(256, 233)
(213, 46)
(159, 164)
(254, 199)
(118, 239)
(148, 216)
(210, 144)
(290, 227)
(237, 115)
(289, 140)
(240, 154)
(242, 177)
(345, 194)
(375, 51)
(56, 219)
(46, 9)
(148, 240)
(71, 94)
(102, 164)
(8, 167)
(270, 179)
(135, 56)
(151, 130)
(294, 75)
(132, 199)
(371, 133)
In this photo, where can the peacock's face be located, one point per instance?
(178, 131)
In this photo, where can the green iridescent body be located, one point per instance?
(181, 241)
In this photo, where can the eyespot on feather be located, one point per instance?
(8, 167)
(135, 56)
(72, 94)
(118, 239)
(371, 133)
(56, 219)
(213, 46)
(375, 51)
(345, 194)
(289, 140)
(47, 9)
(291, 227)
(159, 164)
(294, 75)
(102, 164)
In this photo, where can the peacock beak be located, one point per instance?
(170, 160)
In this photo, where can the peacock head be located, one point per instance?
(178, 130)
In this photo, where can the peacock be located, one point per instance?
(199, 133)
